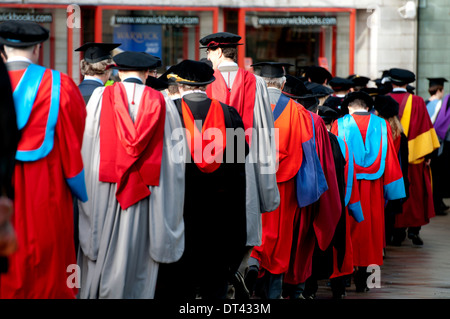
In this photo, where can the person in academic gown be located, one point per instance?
(9, 138)
(48, 169)
(422, 141)
(341, 248)
(379, 178)
(247, 93)
(439, 157)
(215, 199)
(341, 88)
(133, 220)
(95, 66)
(297, 158)
(442, 128)
(359, 82)
(323, 214)
(386, 107)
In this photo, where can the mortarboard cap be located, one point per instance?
(401, 76)
(22, 34)
(318, 74)
(129, 60)
(436, 81)
(193, 73)
(294, 87)
(272, 69)
(327, 113)
(318, 90)
(340, 84)
(95, 52)
(358, 95)
(386, 106)
(220, 39)
(358, 80)
(156, 83)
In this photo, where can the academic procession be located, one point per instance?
(209, 179)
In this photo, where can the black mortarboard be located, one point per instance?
(22, 34)
(193, 73)
(401, 76)
(205, 60)
(436, 81)
(171, 70)
(328, 114)
(220, 39)
(358, 95)
(294, 87)
(340, 84)
(386, 106)
(95, 52)
(129, 60)
(318, 74)
(272, 69)
(358, 80)
(318, 90)
(156, 83)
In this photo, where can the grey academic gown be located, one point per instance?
(120, 250)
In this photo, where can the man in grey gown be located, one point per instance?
(134, 217)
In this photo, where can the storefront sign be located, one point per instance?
(35, 17)
(297, 21)
(155, 19)
(139, 38)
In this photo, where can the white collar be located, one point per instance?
(19, 59)
(399, 90)
(93, 78)
(192, 91)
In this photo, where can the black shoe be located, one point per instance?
(240, 289)
(416, 240)
(362, 289)
(250, 279)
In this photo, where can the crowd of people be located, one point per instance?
(209, 180)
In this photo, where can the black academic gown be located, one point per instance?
(215, 221)
(9, 138)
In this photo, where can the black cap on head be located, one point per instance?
(328, 114)
(386, 106)
(95, 52)
(318, 74)
(156, 83)
(272, 69)
(21, 34)
(340, 84)
(401, 76)
(358, 80)
(193, 73)
(358, 95)
(294, 87)
(318, 90)
(129, 60)
(436, 81)
(220, 39)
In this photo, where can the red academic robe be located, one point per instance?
(381, 179)
(293, 128)
(241, 96)
(353, 208)
(43, 204)
(422, 140)
(323, 215)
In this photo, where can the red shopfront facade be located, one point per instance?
(300, 36)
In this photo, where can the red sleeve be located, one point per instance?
(329, 209)
(70, 127)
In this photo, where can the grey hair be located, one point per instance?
(275, 82)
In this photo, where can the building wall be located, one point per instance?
(434, 43)
(383, 38)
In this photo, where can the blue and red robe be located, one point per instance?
(378, 178)
(296, 157)
(48, 173)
